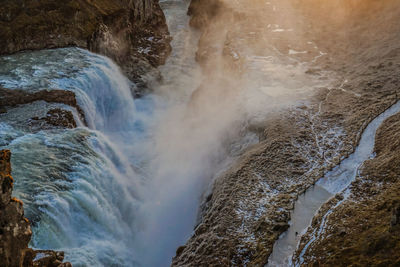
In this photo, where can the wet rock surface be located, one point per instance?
(133, 33)
(56, 117)
(15, 231)
(49, 258)
(250, 204)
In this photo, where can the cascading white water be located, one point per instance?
(79, 186)
(94, 192)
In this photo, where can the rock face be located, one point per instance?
(15, 231)
(250, 204)
(55, 117)
(128, 31)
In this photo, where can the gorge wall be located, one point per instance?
(351, 48)
(250, 204)
(133, 33)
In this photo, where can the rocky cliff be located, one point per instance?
(250, 204)
(15, 231)
(131, 32)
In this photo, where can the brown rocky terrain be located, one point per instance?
(365, 229)
(132, 33)
(55, 117)
(358, 45)
(15, 231)
(362, 230)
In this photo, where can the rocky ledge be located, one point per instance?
(15, 231)
(10, 98)
(132, 33)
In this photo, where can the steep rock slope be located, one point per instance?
(15, 229)
(365, 229)
(133, 33)
(250, 203)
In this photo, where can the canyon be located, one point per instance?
(195, 138)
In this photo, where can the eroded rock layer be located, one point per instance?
(15, 232)
(56, 117)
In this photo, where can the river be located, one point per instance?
(334, 182)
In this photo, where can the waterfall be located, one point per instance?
(80, 186)
(104, 193)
